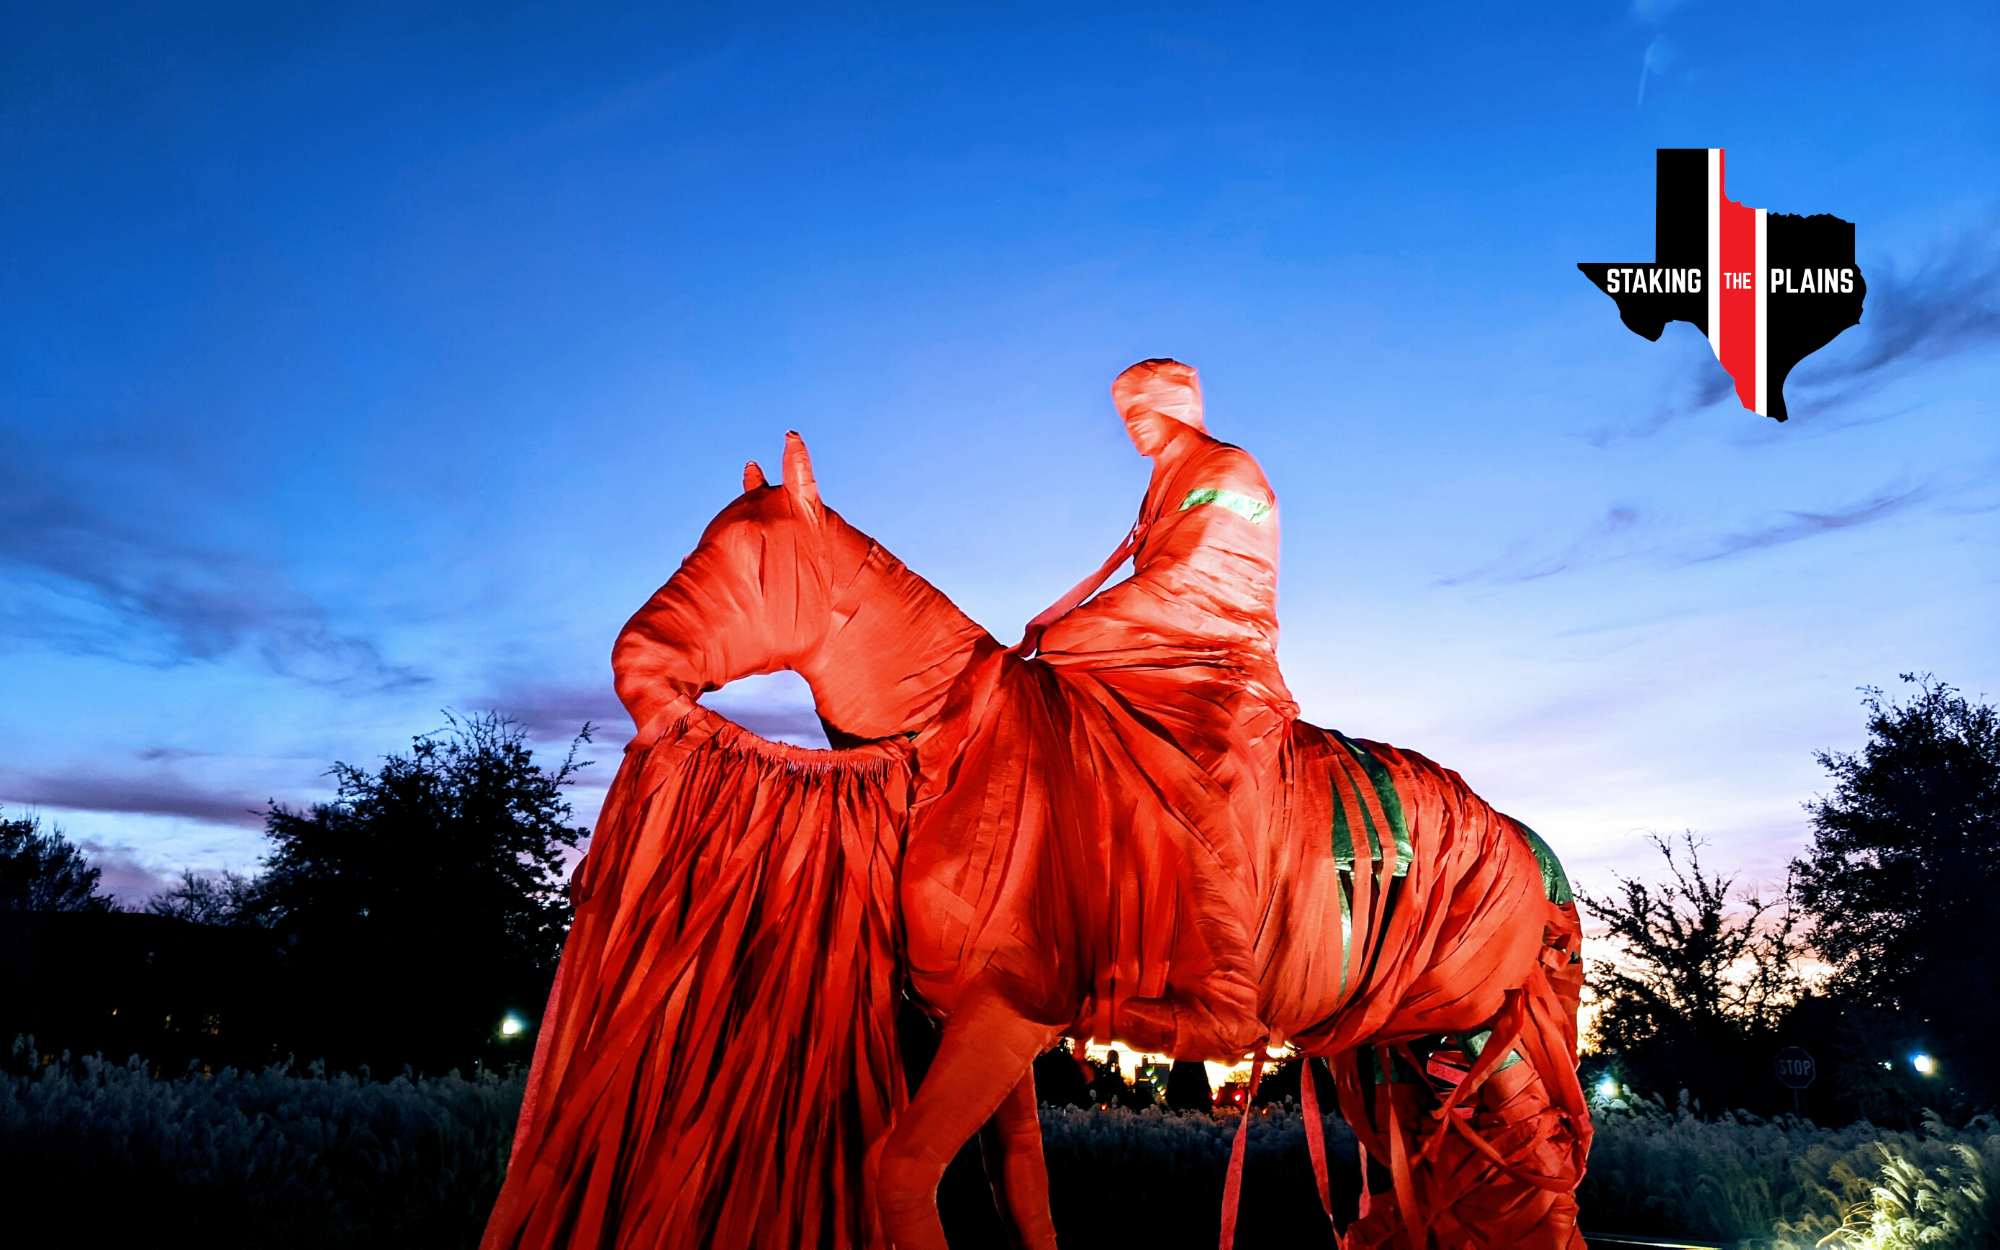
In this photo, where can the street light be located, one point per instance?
(1924, 1064)
(511, 1025)
(1608, 1087)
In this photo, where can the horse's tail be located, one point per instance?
(719, 1053)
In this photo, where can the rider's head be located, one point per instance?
(1154, 397)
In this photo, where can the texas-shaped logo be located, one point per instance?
(1768, 289)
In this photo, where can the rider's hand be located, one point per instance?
(1029, 641)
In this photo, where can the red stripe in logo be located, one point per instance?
(1736, 289)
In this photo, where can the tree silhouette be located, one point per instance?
(1704, 981)
(1902, 883)
(42, 872)
(220, 898)
(428, 901)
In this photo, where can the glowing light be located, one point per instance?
(1607, 1087)
(511, 1026)
(1924, 1064)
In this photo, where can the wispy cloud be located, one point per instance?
(1700, 383)
(125, 875)
(1659, 55)
(1654, 10)
(1609, 536)
(147, 794)
(1623, 533)
(1946, 305)
(97, 579)
(776, 705)
(798, 726)
(1800, 525)
(551, 711)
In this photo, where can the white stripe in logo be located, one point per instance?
(1712, 280)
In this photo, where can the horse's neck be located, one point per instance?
(896, 647)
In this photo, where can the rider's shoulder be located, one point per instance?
(1230, 466)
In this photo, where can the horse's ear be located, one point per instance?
(799, 476)
(753, 477)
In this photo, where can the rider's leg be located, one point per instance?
(1011, 1145)
(987, 1048)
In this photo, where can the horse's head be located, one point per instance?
(780, 581)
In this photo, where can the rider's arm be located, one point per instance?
(1206, 571)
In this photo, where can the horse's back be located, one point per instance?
(1432, 899)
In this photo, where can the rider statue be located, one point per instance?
(1202, 600)
(1170, 676)
(1205, 548)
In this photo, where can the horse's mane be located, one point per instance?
(721, 1044)
(872, 761)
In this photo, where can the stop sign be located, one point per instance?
(1795, 1068)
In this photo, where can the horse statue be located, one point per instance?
(1007, 845)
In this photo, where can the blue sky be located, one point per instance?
(363, 363)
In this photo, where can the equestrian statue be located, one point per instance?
(1118, 828)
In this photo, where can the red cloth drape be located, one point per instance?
(719, 1052)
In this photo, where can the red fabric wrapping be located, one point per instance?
(1131, 838)
(1031, 637)
(726, 1053)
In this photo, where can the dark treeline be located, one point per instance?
(414, 920)
(1895, 899)
(417, 919)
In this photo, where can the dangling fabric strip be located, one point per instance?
(1416, 1220)
(538, 1067)
(1316, 1141)
(1499, 1043)
(1083, 1065)
(1346, 1070)
(1232, 1188)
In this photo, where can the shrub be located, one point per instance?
(304, 1160)
(1155, 1177)
(98, 1153)
(1788, 1184)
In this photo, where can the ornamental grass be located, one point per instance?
(100, 1153)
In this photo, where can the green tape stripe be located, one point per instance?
(1343, 861)
(1343, 846)
(1474, 1044)
(1400, 1072)
(1554, 880)
(1392, 804)
(1252, 510)
(1344, 888)
(1356, 961)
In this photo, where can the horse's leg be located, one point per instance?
(1514, 1114)
(1011, 1145)
(987, 1049)
(1365, 1103)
